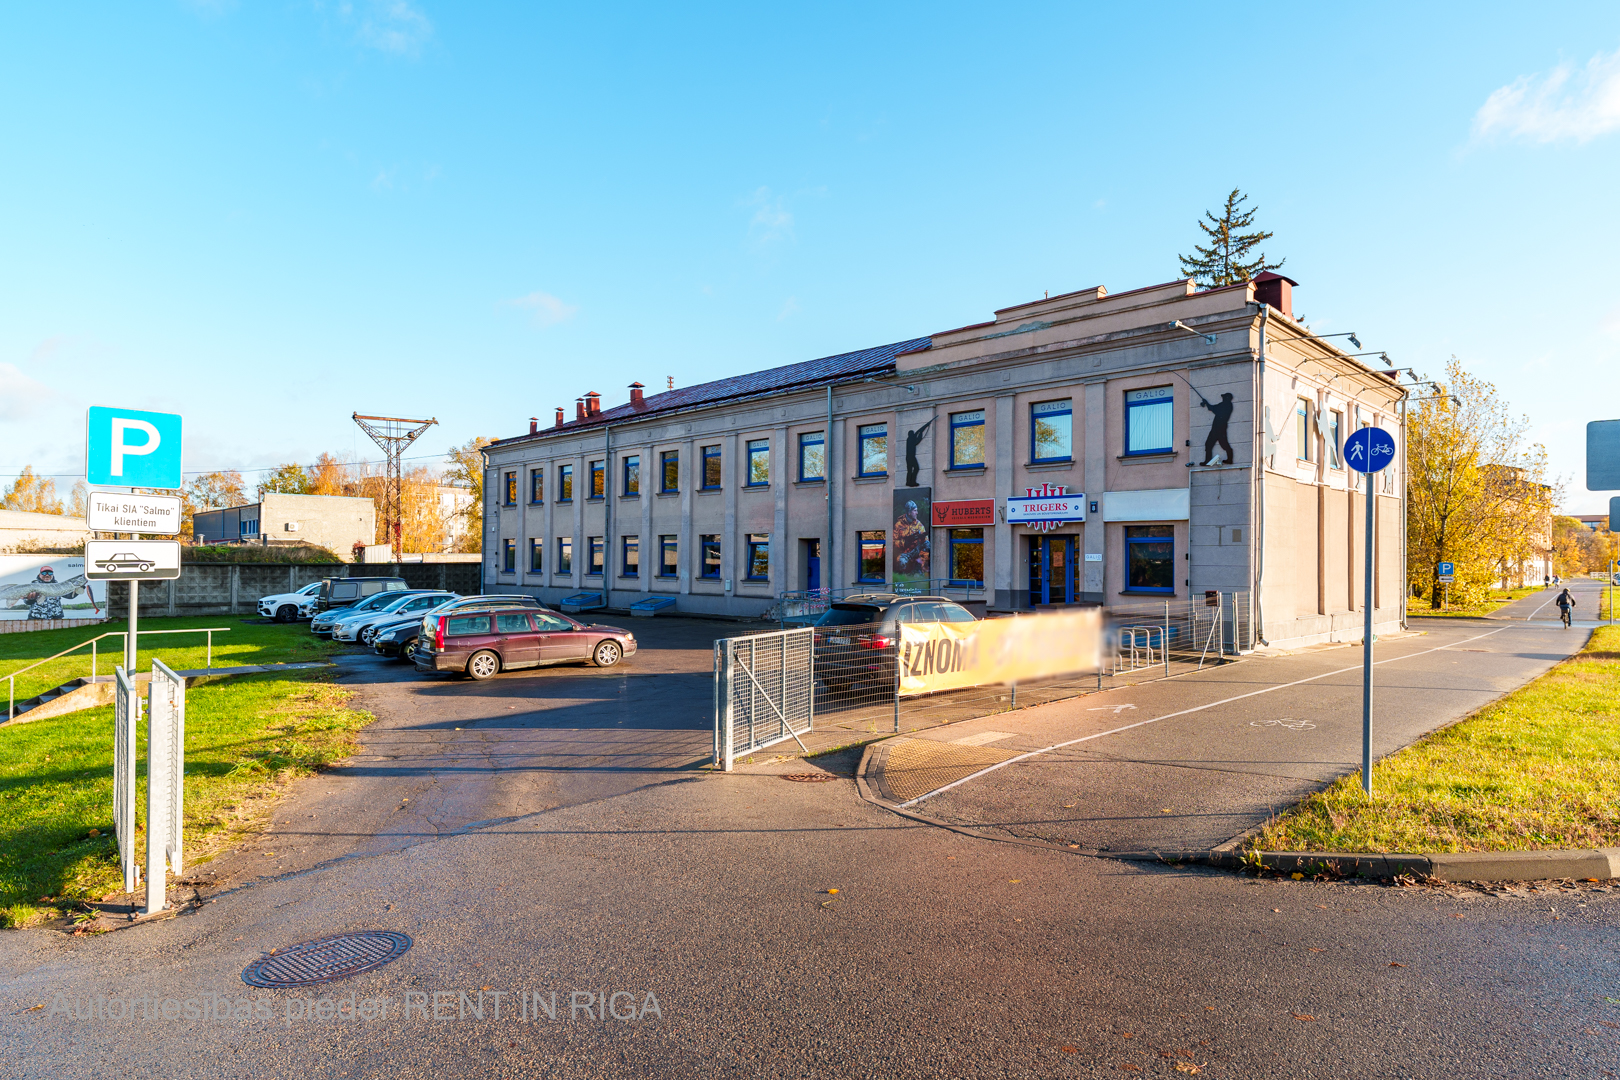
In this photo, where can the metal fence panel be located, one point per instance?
(126, 714)
(764, 691)
(165, 781)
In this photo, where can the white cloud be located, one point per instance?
(393, 26)
(789, 308)
(544, 309)
(772, 221)
(1559, 104)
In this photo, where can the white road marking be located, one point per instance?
(1115, 709)
(1186, 712)
(983, 738)
(1292, 723)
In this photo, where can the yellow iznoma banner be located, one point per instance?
(947, 656)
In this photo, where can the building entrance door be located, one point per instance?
(1051, 570)
(812, 563)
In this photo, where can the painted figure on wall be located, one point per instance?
(44, 594)
(912, 556)
(1217, 430)
(913, 440)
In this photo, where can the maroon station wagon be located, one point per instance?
(482, 643)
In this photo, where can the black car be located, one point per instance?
(858, 637)
(397, 637)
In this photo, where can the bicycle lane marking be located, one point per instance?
(1186, 712)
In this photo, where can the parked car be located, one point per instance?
(857, 638)
(397, 636)
(351, 622)
(484, 643)
(345, 592)
(290, 606)
(322, 624)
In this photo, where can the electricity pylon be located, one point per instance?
(393, 434)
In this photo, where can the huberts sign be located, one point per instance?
(1046, 507)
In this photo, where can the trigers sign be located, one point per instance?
(1046, 507)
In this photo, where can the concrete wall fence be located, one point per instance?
(235, 588)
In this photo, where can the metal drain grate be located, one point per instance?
(325, 959)
(807, 777)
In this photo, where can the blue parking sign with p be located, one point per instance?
(132, 448)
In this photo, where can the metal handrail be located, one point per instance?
(11, 679)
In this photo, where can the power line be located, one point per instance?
(252, 468)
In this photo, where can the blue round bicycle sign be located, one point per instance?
(1369, 449)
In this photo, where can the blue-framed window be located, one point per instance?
(508, 556)
(709, 556)
(565, 555)
(759, 557)
(1150, 420)
(669, 556)
(1150, 558)
(1333, 436)
(812, 456)
(537, 552)
(967, 439)
(593, 563)
(874, 556)
(537, 485)
(711, 467)
(759, 462)
(669, 471)
(967, 556)
(511, 489)
(632, 475)
(598, 479)
(1051, 430)
(630, 556)
(1302, 429)
(565, 483)
(874, 449)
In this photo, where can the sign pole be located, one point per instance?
(1367, 653)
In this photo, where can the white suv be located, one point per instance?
(290, 606)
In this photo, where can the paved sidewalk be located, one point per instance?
(1193, 763)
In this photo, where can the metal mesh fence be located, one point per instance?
(165, 774)
(763, 691)
(126, 714)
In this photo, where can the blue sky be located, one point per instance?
(268, 216)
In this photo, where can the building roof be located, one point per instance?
(804, 375)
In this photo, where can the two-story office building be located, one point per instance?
(1084, 448)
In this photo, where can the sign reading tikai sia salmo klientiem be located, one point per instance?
(121, 512)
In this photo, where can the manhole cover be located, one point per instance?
(807, 777)
(325, 959)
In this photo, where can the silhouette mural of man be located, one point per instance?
(1217, 429)
(913, 440)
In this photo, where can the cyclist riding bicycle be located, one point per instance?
(1565, 602)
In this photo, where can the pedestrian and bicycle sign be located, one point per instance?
(1369, 449)
(132, 448)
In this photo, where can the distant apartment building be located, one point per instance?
(1122, 450)
(335, 522)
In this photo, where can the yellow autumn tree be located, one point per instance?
(1478, 495)
(31, 493)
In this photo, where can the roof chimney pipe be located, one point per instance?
(593, 403)
(1275, 291)
(559, 416)
(534, 424)
(636, 398)
(579, 408)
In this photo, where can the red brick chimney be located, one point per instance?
(534, 424)
(635, 394)
(1276, 290)
(579, 408)
(559, 416)
(593, 403)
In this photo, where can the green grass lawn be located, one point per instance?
(247, 641)
(1539, 769)
(246, 737)
(1418, 608)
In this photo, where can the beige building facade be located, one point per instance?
(1122, 450)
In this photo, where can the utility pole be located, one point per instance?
(393, 434)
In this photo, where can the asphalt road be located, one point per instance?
(1192, 763)
(940, 955)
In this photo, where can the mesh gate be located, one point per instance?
(165, 778)
(764, 692)
(126, 714)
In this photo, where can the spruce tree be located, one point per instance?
(1226, 260)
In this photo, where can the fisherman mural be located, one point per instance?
(42, 587)
(913, 557)
(1217, 430)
